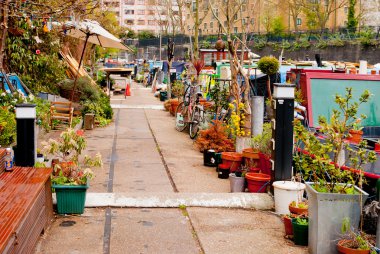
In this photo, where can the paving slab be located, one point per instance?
(151, 231)
(74, 234)
(184, 161)
(231, 231)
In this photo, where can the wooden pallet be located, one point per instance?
(26, 208)
(62, 111)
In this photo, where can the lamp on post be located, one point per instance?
(25, 153)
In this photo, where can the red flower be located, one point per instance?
(80, 133)
(38, 52)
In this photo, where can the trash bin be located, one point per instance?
(89, 121)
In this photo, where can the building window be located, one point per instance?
(132, 2)
(129, 12)
(141, 22)
(129, 22)
(252, 21)
(235, 30)
(299, 21)
(205, 25)
(235, 17)
(140, 1)
(151, 22)
(211, 24)
(140, 12)
(345, 9)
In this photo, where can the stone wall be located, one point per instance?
(348, 53)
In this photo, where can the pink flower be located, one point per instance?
(38, 52)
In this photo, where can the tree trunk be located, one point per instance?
(196, 31)
(4, 31)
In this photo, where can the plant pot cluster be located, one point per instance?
(233, 166)
(297, 223)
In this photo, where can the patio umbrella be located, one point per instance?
(91, 32)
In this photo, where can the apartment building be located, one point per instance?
(257, 16)
(157, 16)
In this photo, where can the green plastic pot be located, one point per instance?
(300, 233)
(70, 198)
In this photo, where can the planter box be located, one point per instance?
(326, 213)
(70, 198)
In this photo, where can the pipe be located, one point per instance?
(257, 117)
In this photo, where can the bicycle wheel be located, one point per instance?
(196, 119)
(182, 109)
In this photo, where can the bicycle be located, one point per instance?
(190, 112)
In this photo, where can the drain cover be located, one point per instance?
(67, 223)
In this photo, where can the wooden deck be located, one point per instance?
(26, 208)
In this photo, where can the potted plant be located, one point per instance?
(215, 138)
(331, 188)
(356, 133)
(262, 143)
(300, 231)
(268, 65)
(299, 207)
(354, 242)
(287, 218)
(70, 178)
(178, 90)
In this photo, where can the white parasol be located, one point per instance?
(90, 31)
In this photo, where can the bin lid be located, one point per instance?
(289, 185)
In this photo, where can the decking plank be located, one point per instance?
(18, 193)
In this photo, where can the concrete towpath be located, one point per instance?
(154, 195)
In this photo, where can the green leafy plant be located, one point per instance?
(219, 95)
(302, 221)
(316, 163)
(68, 148)
(302, 205)
(268, 65)
(178, 89)
(355, 239)
(262, 142)
(7, 127)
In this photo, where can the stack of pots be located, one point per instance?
(232, 160)
(251, 159)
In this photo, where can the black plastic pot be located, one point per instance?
(209, 158)
(223, 171)
(163, 96)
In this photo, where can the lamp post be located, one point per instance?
(25, 153)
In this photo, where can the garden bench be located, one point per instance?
(62, 111)
(26, 208)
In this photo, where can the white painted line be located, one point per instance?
(259, 201)
(125, 106)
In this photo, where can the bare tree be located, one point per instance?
(230, 12)
(295, 9)
(194, 7)
(318, 12)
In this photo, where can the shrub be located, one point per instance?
(268, 65)
(215, 138)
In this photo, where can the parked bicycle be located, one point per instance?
(190, 112)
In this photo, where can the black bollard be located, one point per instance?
(282, 131)
(25, 153)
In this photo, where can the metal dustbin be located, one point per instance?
(89, 121)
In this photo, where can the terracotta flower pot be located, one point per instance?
(232, 159)
(265, 163)
(345, 250)
(251, 153)
(257, 182)
(355, 136)
(288, 225)
(297, 210)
